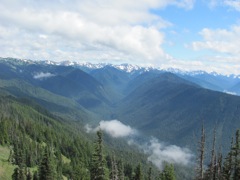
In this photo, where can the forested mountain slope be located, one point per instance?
(34, 139)
(155, 102)
(173, 109)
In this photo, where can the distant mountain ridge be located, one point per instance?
(213, 80)
(124, 67)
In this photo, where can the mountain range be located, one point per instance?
(168, 104)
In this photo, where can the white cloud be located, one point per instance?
(223, 45)
(84, 30)
(233, 3)
(220, 64)
(43, 75)
(114, 128)
(220, 40)
(231, 93)
(160, 153)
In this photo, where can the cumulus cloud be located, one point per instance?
(220, 40)
(42, 75)
(85, 30)
(223, 47)
(114, 128)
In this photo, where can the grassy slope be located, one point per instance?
(6, 169)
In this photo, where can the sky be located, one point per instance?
(184, 34)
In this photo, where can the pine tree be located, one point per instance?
(149, 177)
(138, 173)
(200, 168)
(29, 175)
(168, 173)
(35, 175)
(236, 155)
(98, 162)
(219, 166)
(19, 174)
(114, 169)
(47, 168)
(120, 170)
(227, 165)
(128, 171)
(10, 158)
(210, 173)
(16, 174)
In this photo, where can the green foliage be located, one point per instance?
(28, 129)
(168, 173)
(19, 174)
(149, 176)
(98, 166)
(47, 167)
(229, 169)
(138, 173)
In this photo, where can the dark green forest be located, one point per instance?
(218, 167)
(44, 146)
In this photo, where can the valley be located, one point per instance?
(168, 105)
(154, 101)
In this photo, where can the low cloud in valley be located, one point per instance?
(157, 152)
(114, 128)
(42, 75)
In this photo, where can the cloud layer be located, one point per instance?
(84, 30)
(116, 31)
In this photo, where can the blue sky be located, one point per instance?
(188, 23)
(185, 34)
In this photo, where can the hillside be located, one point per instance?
(147, 99)
(28, 130)
(174, 109)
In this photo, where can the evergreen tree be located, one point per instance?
(120, 170)
(10, 158)
(227, 165)
(200, 160)
(47, 169)
(219, 174)
(19, 174)
(149, 177)
(168, 173)
(128, 171)
(236, 155)
(35, 175)
(16, 174)
(114, 169)
(138, 173)
(98, 171)
(29, 175)
(210, 173)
